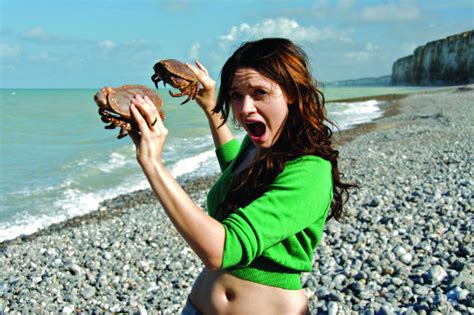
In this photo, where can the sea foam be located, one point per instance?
(347, 115)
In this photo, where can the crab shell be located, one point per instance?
(178, 75)
(114, 105)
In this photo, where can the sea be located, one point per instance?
(57, 161)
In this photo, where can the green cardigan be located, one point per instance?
(271, 241)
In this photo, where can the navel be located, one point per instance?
(229, 295)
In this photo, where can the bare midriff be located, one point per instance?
(218, 292)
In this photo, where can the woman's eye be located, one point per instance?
(260, 92)
(235, 96)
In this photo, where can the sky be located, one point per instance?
(90, 44)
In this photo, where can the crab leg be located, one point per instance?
(192, 93)
(178, 94)
(123, 133)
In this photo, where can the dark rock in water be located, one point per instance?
(448, 61)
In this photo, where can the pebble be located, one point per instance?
(406, 258)
(404, 248)
(68, 309)
(436, 274)
(88, 292)
(333, 307)
(75, 270)
(458, 294)
(385, 310)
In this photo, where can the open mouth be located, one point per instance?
(256, 129)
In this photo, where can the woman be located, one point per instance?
(268, 209)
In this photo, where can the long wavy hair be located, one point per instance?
(305, 131)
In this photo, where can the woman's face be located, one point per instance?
(259, 105)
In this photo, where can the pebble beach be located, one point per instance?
(404, 246)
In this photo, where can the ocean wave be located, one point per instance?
(72, 197)
(70, 203)
(191, 164)
(347, 115)
(90, 174)
(115, 161)
(12, 230)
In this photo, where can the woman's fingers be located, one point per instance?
(201, 67)
(135, 137)
(157, 121)
(147, 116)
(141, 122)
(151, 135)
(195, 71)
(147, 109)
(201, 73)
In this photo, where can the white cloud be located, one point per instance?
(107, 44)
(357, 56)
(281, 27)
(193, 53)
(136, 44)
(370, 52)
(403, 11)
(43, 56)
(314, 40)
(37, 34)
(8, 51)
(371, 47)
(40, 36)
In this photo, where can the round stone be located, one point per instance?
(437, 274)
(88, 292)
(406, 258)
(75, 270)
(68, 309)
(399, 250)
(333, 307)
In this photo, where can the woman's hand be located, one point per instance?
(206, 96)
(150, 142)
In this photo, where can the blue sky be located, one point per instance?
(89, 44)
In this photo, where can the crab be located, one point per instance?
(178, 75)
(114, 106)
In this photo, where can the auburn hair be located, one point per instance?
(305, 130)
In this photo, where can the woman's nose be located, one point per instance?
(248, 105)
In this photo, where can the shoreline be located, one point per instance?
(340, 137)
(116, 206)
(403, 246)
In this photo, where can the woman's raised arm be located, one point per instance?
(205, 235)
(206, 99)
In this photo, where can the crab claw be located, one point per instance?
(155, 78)
(123, 133)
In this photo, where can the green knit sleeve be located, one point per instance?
(299, 197)
(227, 152)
